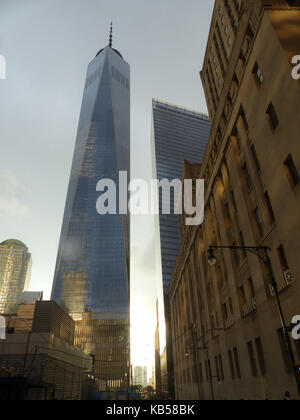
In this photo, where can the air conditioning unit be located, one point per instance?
(288, 277)
(245, 311)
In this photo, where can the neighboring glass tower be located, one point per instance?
(15, 273)
(92, 268)
(178, 134)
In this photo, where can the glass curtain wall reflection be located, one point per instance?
(15, 273)
(91, 278)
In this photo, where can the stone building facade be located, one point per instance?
(227, 335)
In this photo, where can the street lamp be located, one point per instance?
(211, 256)
(263, 253)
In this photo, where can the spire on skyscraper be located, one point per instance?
(111, 35)
(110, 42)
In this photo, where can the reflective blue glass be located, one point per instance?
(92, 264)
(178, 134)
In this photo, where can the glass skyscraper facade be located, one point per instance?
(92, 264)
(15, 274)
(178, 134)
(92, 268)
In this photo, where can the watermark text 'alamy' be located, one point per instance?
(176, 197)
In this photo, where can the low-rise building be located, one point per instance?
(39, 356)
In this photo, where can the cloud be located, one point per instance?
(11, 190)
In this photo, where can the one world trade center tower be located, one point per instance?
(91, 279)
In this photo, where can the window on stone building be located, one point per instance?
(269, 208)
(284, 351)
(233, 201)
(231, 306)
(243, 296)
(237, 363)
(297, 345)
(231, 364)
(272, 116)
(251, 287)
(244, 253)
(252, 359)
(217, 368)
(244, 119)
(261, 357)
(235, 255)
(225, 312)
(247, 176)
(255, 158)
(257, 74)
(213, 326)
(282, 258)
(292, 172)
(258, 220)
(222, 376)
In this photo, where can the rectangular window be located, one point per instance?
(243, 296)
(247, 176)
(292, 171)
(238, 140)
(209, 369)
(282, 258)
(270, 208)
(231, 364)
(258, 221)
(251, 287)
(217, 368)
(221, 368)
(235, 255)
(252, 359)
(261, 357)
(255, 158)
(233, 201)
(225, 312)
(258, 74)
(272, 116)
(244, 253)
(231, 306)
(297, 345)
(237, 363)
(284, 351)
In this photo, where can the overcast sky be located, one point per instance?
(48, 45)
